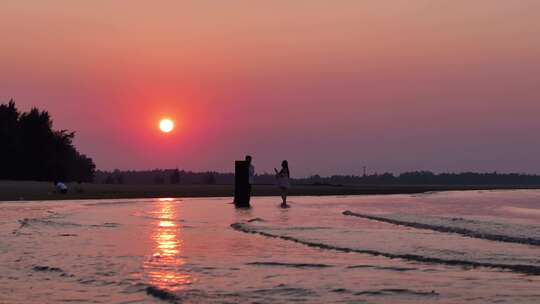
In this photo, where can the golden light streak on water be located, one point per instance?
(164, 268)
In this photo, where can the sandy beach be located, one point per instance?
(26, 191)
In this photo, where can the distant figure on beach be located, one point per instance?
(60, 187)
(283, 177)
(79, 188)
(251, 175)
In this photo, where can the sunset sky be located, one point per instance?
(441, 85)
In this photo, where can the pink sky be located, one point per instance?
(444, 85)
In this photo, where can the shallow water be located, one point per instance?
(185, 250)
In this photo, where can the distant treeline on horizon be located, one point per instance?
(176, 176)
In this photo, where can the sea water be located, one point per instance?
(446, 247)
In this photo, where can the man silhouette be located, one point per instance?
(251, 175)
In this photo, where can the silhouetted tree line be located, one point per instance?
(427, 178)
(175, 176)
(32, 150)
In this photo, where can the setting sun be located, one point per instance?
(166, 125)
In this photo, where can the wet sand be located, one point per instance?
(23, 190)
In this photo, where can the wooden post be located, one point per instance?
(242, 188)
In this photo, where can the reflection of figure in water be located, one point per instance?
(251, 175)
(283, 181)
(60, 187)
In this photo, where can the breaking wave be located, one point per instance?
(397, 292)
(500, 232)
(293, 265)
(49, 223)
(400, 269)
(519, 268)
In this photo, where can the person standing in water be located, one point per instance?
(283, 177)
(251, 175)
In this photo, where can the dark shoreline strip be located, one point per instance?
(383, 292)
(299, 265)
(446, 229)
(526, 269)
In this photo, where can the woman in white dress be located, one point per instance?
(283, 177)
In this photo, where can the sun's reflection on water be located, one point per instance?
(164, 268)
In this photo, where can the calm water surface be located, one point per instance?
(185, 250)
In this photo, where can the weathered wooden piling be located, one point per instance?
(242, 188)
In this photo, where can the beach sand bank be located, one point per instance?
(29, 190)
